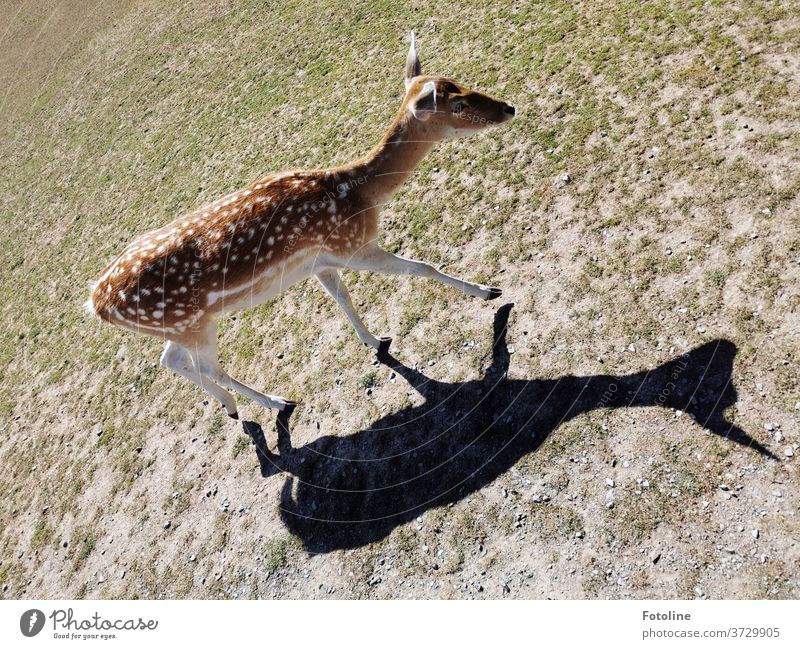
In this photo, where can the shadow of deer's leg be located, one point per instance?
(378, 260)
(333, 284)
(269, 463)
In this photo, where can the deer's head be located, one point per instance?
(446, 106)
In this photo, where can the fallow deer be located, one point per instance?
(246, 248)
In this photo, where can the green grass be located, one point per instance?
(241, 444)
(117, 119)
(275, 554)
(215, 426)
(368, 380)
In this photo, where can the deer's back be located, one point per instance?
(168, 279)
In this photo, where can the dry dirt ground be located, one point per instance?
(627, 429)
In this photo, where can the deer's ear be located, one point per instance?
(425, 104)
(413, 68)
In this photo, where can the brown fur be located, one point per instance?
(169, 272)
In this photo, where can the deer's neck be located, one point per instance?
(388, 165)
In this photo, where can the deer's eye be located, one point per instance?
(458, 107)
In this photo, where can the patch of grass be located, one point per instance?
(82, 543)
(368, 380)
(554, 521)
(276, 553)
(42, 535)
(241, 443)
(409, 319)
(144, 379)
(717, 278)
(215, 426)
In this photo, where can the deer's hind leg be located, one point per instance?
(178, 359)
(206, 361)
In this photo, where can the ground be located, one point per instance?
(627, 429)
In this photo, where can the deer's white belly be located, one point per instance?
(270, 283)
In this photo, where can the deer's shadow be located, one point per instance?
(354, 490)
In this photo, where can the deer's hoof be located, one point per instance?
(494, 293)
(233, 415)
(288, 408)
(383, 346)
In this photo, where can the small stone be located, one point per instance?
(788, 452)
(167, 524)
(755, 533)
(724, 487)
(655, 556)
(193, 557)
(100, 578)
(609, 482)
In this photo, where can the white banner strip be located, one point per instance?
(375, 623)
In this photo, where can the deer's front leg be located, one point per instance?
(378, 260)
(333, 284)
